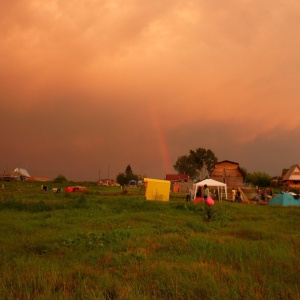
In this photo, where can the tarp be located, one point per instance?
(157, 189)
(211, 183)
(72, 189)
(209, 202)
(284, 199)
(132, 182)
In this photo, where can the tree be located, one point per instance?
(60, 178)
(185, 165)
(244, 172)
(260, 179)
(124, 178)
(198, 163)
(121, 179)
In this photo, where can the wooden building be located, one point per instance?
(17, 175)
(228, 172)
(180, 183)
(292, 177)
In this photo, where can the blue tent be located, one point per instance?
(132, 182)
(285, 199)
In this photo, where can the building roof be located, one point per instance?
(228, 162)
(173, 177)
(284, 171)
(292, 174)
(21, 172)
(226, 168)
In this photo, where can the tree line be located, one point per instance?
(197, 164)
(200, 162)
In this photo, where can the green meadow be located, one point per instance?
(105, 245)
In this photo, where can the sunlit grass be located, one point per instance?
(93, 246)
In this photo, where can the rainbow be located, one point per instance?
(163, 146)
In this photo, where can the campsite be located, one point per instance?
(102, 244)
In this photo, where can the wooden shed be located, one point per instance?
(17, 175)
(292, 177)
(228, 172)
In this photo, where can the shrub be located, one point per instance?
(60, 178)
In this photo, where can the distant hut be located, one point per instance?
(292, 177)
(107, 182)
(228, 172)
(180, 183)
(17, 175)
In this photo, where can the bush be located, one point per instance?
(259, 179)
(60, 178)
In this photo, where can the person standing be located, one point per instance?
(270, 192)
(233, 193)
(205, 192)
(238, 195)
(188, 194)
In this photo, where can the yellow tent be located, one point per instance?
(157, 189)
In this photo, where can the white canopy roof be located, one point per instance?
(209, 183)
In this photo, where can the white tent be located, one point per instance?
(211, 183)
(22, 172)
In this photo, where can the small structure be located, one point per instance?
(222, 187)
(285, 199)
(228, 172)
(41, 179)
(107, 182)
(17, 175)
(292, 177)
(132, 182)
(180, 183)
(6, 177)
(157, 189)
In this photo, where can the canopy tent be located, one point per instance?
(211, 183)
(157, 189)
(285, 199)
(132, 182)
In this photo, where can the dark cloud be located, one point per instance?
(97, 85)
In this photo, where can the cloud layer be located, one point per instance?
(92, 86)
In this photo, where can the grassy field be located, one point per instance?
(105, 245)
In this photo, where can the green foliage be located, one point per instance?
(121, 179)
(185, 165)
(124, 247)
(211, 213)
(92, 239)
(260, 179)
(124, 178)
(198, 163)
(244, 172)
(12, 203)
(60, 178)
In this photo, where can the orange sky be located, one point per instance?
(97, 85)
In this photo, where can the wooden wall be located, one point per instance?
(229, 173)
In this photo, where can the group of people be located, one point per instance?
(236, 195)
(201, 193)
(264, 194)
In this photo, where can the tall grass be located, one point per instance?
(97, 246)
